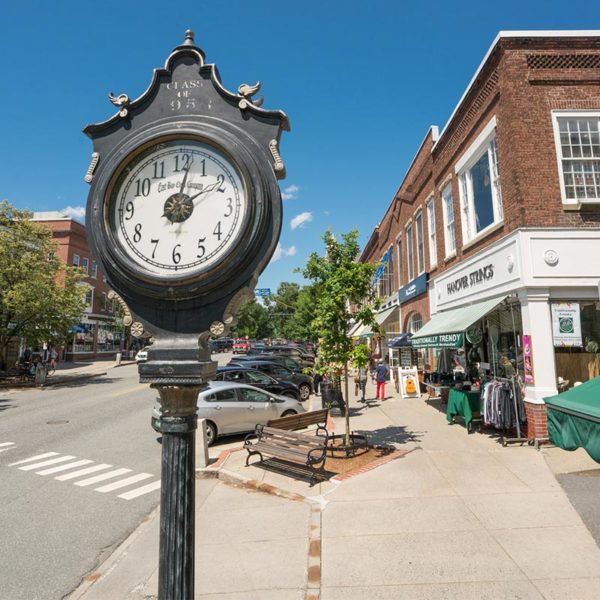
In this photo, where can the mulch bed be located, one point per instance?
(339, 464)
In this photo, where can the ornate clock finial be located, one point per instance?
(189, 38)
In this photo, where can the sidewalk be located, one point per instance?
(68, 372)
(456, 516)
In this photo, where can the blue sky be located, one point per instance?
(360, 81)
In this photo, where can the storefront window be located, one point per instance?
(109, 338)
(579, 362)
(83, 339)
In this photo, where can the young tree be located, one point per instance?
(345, 293)
(300, 324)
(40, 298)
(282, 307)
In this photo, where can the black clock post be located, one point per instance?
(184, 213)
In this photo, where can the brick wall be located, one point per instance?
(537, 421)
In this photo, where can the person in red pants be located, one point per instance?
(381, 373)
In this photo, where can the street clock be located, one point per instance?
(184, 210)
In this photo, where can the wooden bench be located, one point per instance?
(288, 446)
(303, 420)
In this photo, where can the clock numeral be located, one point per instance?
(201, 247)
(203, 163)
(142, 188)
(129, 210)
(159, 170)
(137, 236)
(176, 255)
(221, 181)
(155, 242)
(229, 207)
(182, 162)
(217, 231)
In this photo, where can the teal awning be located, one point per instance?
(446, 329)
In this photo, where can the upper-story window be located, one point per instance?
(578, 149)
(449, 225)
(385, 279)
(410, 253)
(420, 243)
(85, 265)
(479, 183)
(75, 260)
(431, 233)
(399, 248)
(94, 269)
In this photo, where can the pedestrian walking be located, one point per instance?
(363, 375)
(381, 373)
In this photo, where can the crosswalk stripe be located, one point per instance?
(82, 472)
(145, 489)
(26, 460)
(45, 463)
(7, 444)
(102, 477)
(77, 463)
(7, 449)
(123, 483)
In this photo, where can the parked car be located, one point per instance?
(221, 345)
(142, 355)
(304, 358)
(280, 359)
(241, 346)
(231, 408)
(304, 382)
(258, 379)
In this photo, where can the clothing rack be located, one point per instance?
(519, 438)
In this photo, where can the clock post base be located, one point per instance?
(178, 425)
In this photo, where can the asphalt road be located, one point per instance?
(55, 530)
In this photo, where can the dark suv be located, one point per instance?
(280, 359)
(304, 358)
(279, 372)
(258, 379)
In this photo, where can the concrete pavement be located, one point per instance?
(454, 516)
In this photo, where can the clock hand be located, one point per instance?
(209, 188)
(187, 172)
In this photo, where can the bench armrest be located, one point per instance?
(320, 455)
(256, 434)
(325, 432)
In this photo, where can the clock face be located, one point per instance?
(178, 208)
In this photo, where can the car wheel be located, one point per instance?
(289, 413)
(304, 391)
(211, 433)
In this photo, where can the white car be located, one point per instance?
(142, 355)
(231, 408)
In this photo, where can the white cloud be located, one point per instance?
(281, 251)
(301, 220)
(290, 192)
(75, 212)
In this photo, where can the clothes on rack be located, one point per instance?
(499, 404)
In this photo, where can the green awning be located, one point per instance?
(362, 331)
(384, 315)
(446, 329)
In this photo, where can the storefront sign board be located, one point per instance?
(566, 324)
(442, 340)
(413, 289)
(409, 383)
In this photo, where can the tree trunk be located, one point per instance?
(3, 354)
(347, 408)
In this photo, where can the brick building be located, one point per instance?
(491, 240)
(100, 332)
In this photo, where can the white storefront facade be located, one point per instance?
(543, 269)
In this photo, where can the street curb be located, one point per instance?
(106, 567)
(69, 379)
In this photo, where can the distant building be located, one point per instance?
(99, 334)
(491, 242)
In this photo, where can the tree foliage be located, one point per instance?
(282, 308)
(344, 296)
(40, 298)
(253, 321)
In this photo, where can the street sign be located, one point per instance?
(263, 292)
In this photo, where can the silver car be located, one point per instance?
(231, 408)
